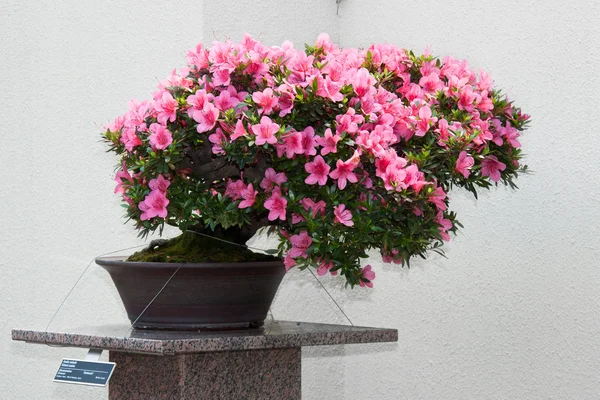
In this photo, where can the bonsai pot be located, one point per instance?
(200, 296)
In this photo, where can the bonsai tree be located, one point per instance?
(334, 150)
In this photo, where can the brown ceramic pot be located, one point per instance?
(200, 296)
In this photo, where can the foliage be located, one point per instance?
(337, 151)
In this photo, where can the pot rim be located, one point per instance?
(119, 261)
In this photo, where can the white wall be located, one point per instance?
(512, 313)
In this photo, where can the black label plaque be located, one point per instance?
(96, 373)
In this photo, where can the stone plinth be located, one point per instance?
(262, 363)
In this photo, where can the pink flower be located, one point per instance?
(123, 179)
(266, 100)
(367, 277)
(444, 226)
(272, 179)
(160, 183)
(342, 216)
(197, 101)
(154, 205)
(226, 101)
(293, 144)
(221, 77)
(160, 137)
(234, 189)
(343, 173)
(218, 139)
(468, 99)
(425, 121)
(391, 257)
(130, 139)
(309, 142)
(394, 178)
(276, 204)
(324, 267)
(463, 164)
(288, 262)
(328, 142)
(206, 118)
(437, 197)
(300, 244)
(318, 170)
(249, 196)
(265, 131)
(239, 130)
(329, 89)
(431, 83)
(491, 167)
(316, 208)
(166, 107)
(348, 122)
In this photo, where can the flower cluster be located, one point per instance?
(337, 150)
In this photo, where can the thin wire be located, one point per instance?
(330, 296)
(77, 281)
(313, 274)
(154, 298)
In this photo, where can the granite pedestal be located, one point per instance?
(263, 363)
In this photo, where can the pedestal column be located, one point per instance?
(250, 374)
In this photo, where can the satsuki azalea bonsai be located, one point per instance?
(334, 150)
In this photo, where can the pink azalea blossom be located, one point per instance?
(159, 183)
(300, 244)
(130, 139)
(266, 100)
(226, 101)
(123, 179)
(292, 144)
(288, 262)
(444, 226)
(221, 77)
(315, 208)
(329, 89)
(431, 83)
(369, 275)
(328, 142)
(218, 139)
(318, 170)
(468, 99)
(394, 178)
(272, 179)
(324, 268)
(234, 189)
(154, 205)
(286, 100)
(343, 173)
(437, 197)
(206, 118)
(197, 100)
(166, 108)
(265, 131)
(239, 131)
(464, 163)
(249, 196)
(342, 216)
(491, 167)
(309, 141)
(276, 204)
(425, 121)
(160, 137)
(391, 257)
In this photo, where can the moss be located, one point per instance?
(191, 247)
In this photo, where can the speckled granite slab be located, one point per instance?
(236, 375)
(275, 334)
